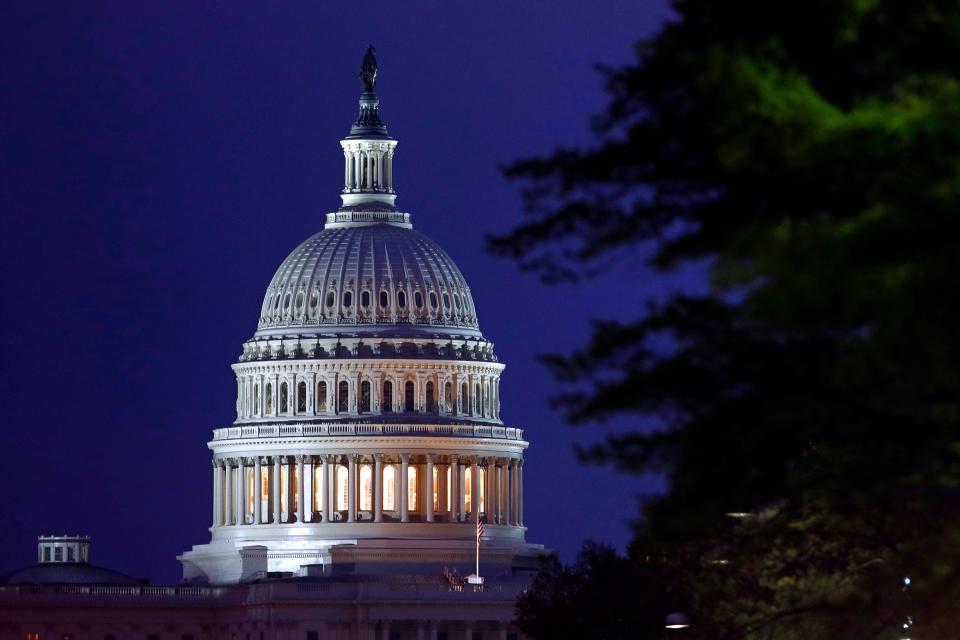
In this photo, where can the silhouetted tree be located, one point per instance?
(808, 153)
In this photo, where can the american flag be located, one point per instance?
(479, 529)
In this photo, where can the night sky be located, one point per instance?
(159, 160)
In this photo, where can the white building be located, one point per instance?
(367, 446)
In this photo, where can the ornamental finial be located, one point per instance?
(368, 70)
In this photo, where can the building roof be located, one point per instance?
(67, 573)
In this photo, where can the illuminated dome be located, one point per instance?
(368, 277)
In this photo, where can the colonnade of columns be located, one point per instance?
(368, 167)
(388, 487)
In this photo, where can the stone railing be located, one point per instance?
(328, 430)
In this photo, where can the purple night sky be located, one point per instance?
(159, 160)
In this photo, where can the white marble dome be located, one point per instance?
(381, 278)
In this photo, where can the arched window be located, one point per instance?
(447, 397)
(256, 399)
(283, 398)
(418, 299)
(317, 488)
(384, 299)
(268, 399)
(343, 488)
(387, 397)
(402, 299)
(331, 298)
(435, 483)
(433, 300)
(365, 299)
(412, 488)
(476, 399)
(446, 301)
(464, 398)
(301, 397)
(343, 401)
(366, 488)
(365, 397)
(468, 489)
(389, 488)
(408, 400)
(430, 404)
(321, 400)
(347, 298)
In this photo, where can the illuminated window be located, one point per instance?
(468, 490)
(387, 397)
(343, 402)
(430, 404)
(268, 399)
(283, 397)
(250, 488)
(482, 480)
(283, 488)
(321, 401)
(366, 488)
(436, 489)
(449, 484)
(390, 488)
(412, 488)
(295, 474)
(365, 397)
(343, 488)
(408, 403)
(317, 487)
(33, 636)
(264, 488)
(301, 397)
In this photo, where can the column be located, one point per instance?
(276, 489)
(501, 491)
(454, 489)
(346, 170)
(331, 489)
(402, 488)
(257, 491)
(352, 488)
(217, 511)
(475, 491)
(520, 520)
(428, 495)
(228, 492)
(301, 490)
(461, 492)
(490, 487)
(378, 487)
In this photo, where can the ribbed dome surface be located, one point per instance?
(67, 573)
(376, 279)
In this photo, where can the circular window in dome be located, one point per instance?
(418, 299)
(384, 299)
(299, 302)
(331, 299)
(286, 301)
(446, 300)
(314, 299)
(433, 300)
(365, 299)
(401, 299)
(347, 298)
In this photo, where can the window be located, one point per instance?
(390, 488)
(256, 399)
(276, 302)
(476, 399)
(468, 489)
(299, 303)
(365, 299)
(449, 487)
(366, 488)
(408, 404)
(343, 488)
(330, 299)
(482, 481)
(58, 554)
(283, 397)
(448, 396)
(464, 398)
(46, 554)
(301, 397)
(264, 488)
(268, 399)
(436, 489)
(365, 396)
(286, 301)
(418, 299)
(313, 635)
(430, 403)
(384, 299)
(347, 298)
(411, 488)
(401, 299)
(433, 300)
(321, 400)
(70, 556)
(446, 301)
(317, 487)
(456, 301)
(314, 299)
(343, 402)
(387, 396)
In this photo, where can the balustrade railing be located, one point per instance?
(293, 430)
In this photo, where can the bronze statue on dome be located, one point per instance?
(368, 70)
